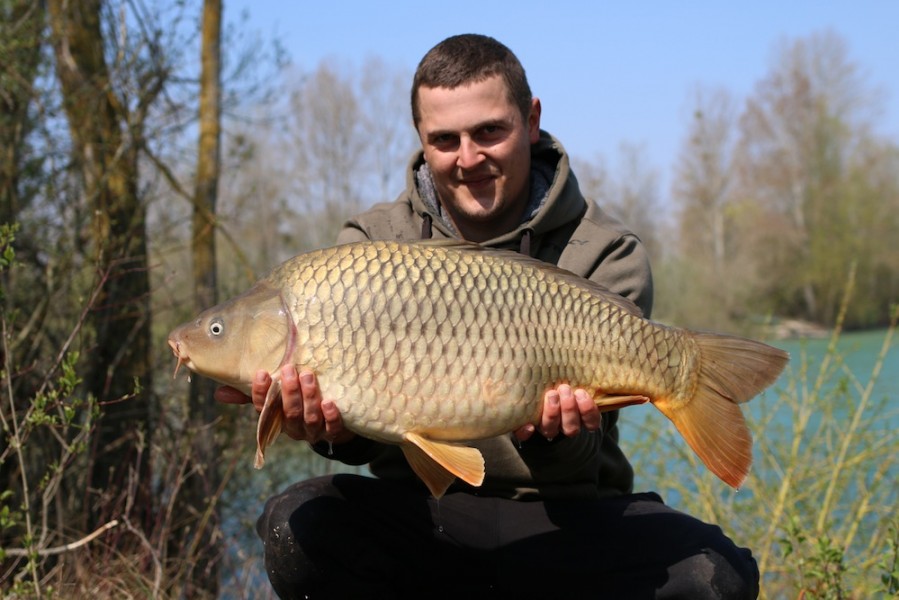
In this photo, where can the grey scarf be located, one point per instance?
(541, 180)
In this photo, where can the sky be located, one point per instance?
(606, 73)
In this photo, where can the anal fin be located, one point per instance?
(607, 402)
(439, 463)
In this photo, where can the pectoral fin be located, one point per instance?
(608, 402)
(270, 422)
(439, 463)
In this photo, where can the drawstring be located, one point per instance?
(426, 233)
(525, 247)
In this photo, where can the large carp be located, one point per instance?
(432, 344)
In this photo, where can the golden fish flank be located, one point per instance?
(432, 344)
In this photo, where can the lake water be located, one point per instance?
(858, 351)
(848, 370)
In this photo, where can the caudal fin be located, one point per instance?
(732, 370)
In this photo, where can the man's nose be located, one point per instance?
(469, 153)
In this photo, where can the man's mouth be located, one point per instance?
(478, 182)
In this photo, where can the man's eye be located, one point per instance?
(490, 133)
(444, 140)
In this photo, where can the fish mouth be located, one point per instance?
(182, 357)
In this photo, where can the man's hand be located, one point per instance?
(306, 415)
(564, 410)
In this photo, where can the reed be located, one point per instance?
(819, 508)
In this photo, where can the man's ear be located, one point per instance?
(534, 121)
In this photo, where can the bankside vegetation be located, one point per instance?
(153, 157)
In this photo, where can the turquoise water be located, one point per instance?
(857, 352)
(847, 372)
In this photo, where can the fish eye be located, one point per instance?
(217, 326)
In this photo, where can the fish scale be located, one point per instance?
(432, 344)
(473, 348)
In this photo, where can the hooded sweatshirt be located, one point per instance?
(560, 227)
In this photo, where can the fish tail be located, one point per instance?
(732, 370)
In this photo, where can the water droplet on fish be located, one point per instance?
(440, 529)
(188, 378)
(330, 448)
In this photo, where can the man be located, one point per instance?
(556, 514)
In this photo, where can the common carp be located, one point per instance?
(429, 345)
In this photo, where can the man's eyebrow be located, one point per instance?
(498, 122)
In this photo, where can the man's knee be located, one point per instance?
(713, 575)
(286, 561)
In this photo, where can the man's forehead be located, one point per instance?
(465, 106)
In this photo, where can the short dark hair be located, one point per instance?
(471, 58)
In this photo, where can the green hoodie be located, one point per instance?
(566, 230)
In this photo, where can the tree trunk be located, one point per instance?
(118, 373)
(20, 45)
(201, 488)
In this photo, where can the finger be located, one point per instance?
(571, 416)
(261, 382)
(312, 409)
(524, 433)
(549, 422)
(229, 395)
(291, 394)
(591, 418)
(334, 428)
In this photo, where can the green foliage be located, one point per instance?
(47, 432)
(8, 233)
(819, 562)
(776, 211)
(889, 565)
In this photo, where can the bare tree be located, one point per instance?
(104, 130)
(387, 125)
(200, 491)
(629, 191)
(20, 45)
(636, 197)
(704, 178)
(703, 190)
(341, 144)
(800, 139)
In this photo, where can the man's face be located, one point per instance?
(478, 148)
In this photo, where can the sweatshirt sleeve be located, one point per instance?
(605, 251)
(624, 269)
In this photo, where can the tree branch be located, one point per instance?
(65, 547)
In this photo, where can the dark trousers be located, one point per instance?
(348, 536)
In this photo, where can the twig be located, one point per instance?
(849, 435)
(65, 547)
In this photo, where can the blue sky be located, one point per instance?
(606, 72)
